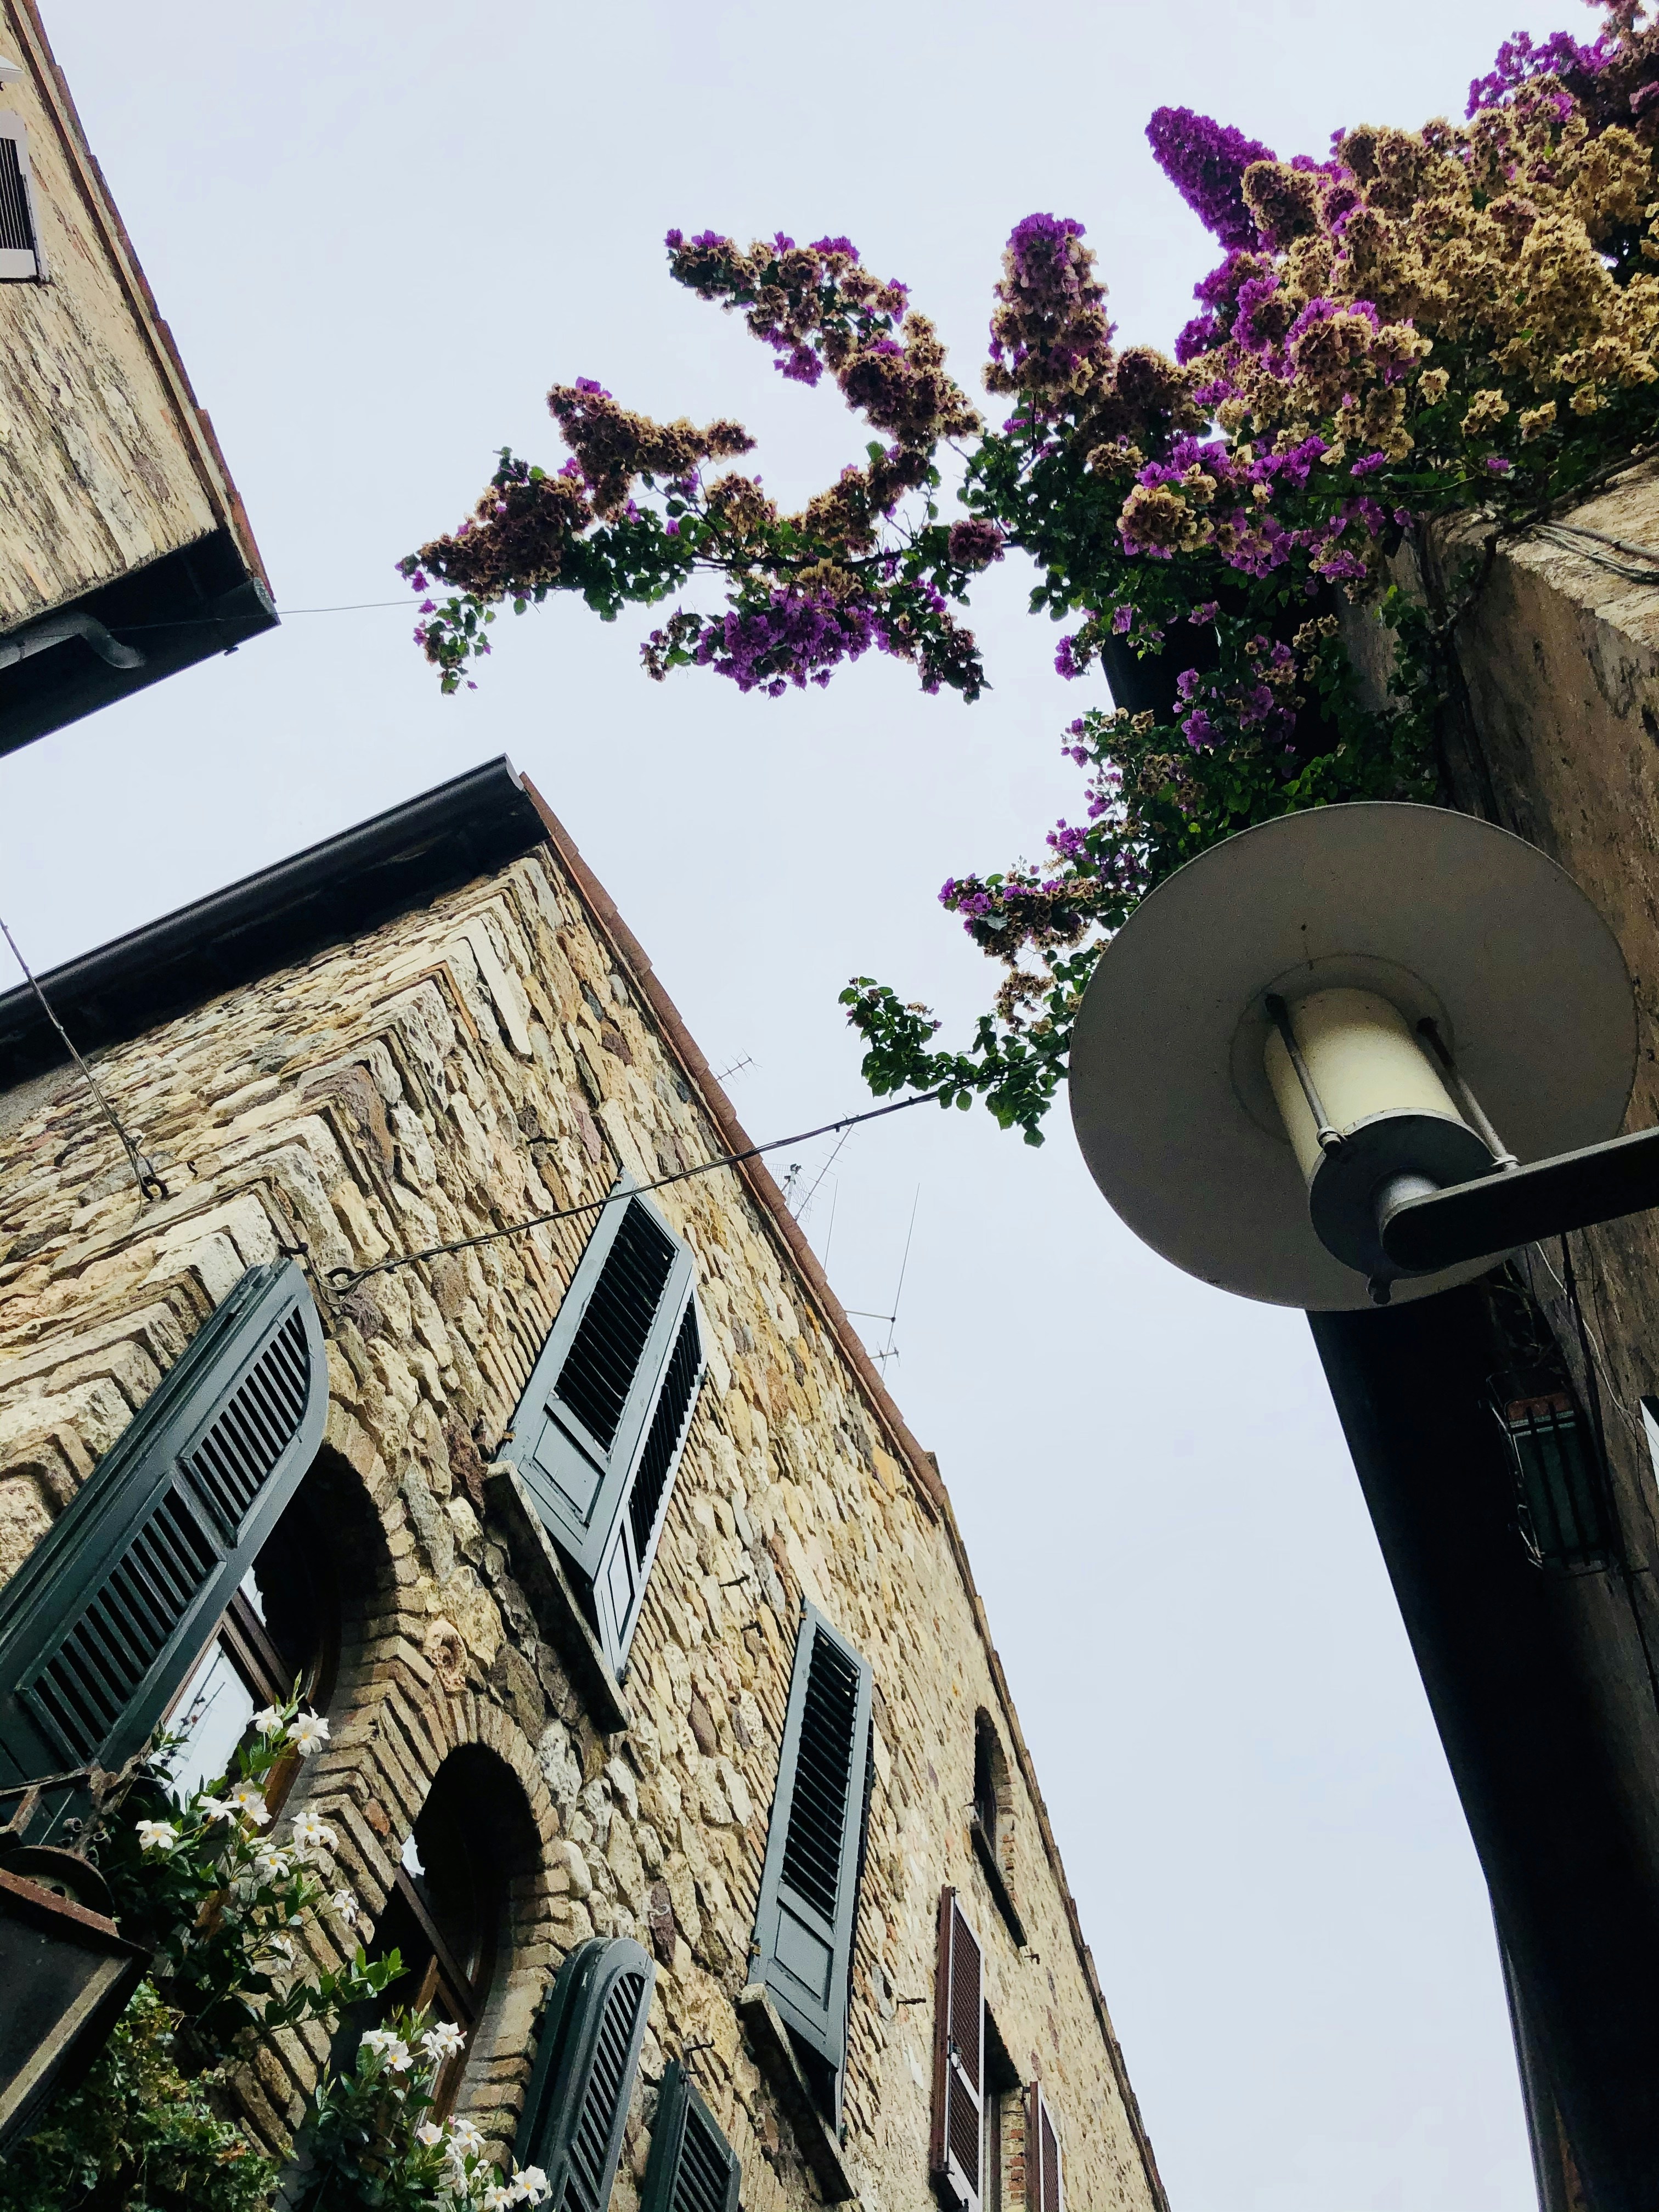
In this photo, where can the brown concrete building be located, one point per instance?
(127, 554)
(616, 1570)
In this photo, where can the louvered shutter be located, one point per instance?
(956, 2148)
(598, 1434)
(806, 1923)
(1044, 2183)
(20, 245)
(692, 2167)
(576, 2108)
(102, 1623)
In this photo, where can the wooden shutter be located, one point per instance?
(20, 241)
(956, 2148)
(576, 2108)
(597, 1433)
(692, 2167)
(806, 1920)
(619, 1587)
(103, 1622)
(1044, 2184)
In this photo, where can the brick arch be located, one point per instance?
(370, 1788)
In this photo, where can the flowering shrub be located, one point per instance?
(372, 2138)
(200, 1882)
(1462, 318)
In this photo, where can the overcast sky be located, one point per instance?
(379, 232)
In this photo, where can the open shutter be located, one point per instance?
(101, 1625)
(20, 238)
(806, 1923)
(692, 2167)
(956, 2148)
(576, 2108)
(619, 1588)
(598, 1434)
(1044, 2185)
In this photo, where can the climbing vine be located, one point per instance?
(1462, 320)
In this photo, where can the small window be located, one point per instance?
(279, 1636)
(19, 236)
(448, 1910)
(991, 1820)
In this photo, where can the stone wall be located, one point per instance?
(105, 461)
(382, 1097)
(1556, 737)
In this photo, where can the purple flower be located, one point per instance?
(975, 544)
(802, 365)
(835, 246)
(1368, 465)
(1519, 58)
(1206, 162)
(428, 607)
(417, 582)
(1206, 613)
(1066, 660)
(1498, 465)
(1122, 618)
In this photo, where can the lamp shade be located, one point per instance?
(1444, 919)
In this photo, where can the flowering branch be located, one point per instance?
(1462, 320)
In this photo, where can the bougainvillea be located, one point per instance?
(1462, 318)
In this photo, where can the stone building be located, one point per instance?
(127, 554)
(654, 1664)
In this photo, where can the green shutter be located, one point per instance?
(599, 1431)
(577, 2107)
(101, 1625)
(807, 1916)
(692, 2167)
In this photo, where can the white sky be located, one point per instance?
(379, 233)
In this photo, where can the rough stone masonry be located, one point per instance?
(380, 1096)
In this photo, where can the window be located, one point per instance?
(692, 2167)
(448, 1910)
(598, 1435)
(280, 1634)
(20, 234)
(587, 2054)
(807, 1917)
(991, 1823)
(107, 1620)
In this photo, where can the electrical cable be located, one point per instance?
(143, 1174)
(346, 1279)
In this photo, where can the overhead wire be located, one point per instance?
(143, 1173)
(346, 1279)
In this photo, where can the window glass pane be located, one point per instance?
(212, 1713)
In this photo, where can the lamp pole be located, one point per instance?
(1540, 1690)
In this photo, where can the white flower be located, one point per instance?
(531, 2183)
(249, 1800)
(343, 1905)
(268, 1721)
(271, 1862)
(497, 2197)
(156, 1835)
(277, 1955)
(465, 2141)
(307, 1733)
(442, 2040)
(393, 2051)
(428, 2133)
(312, 1834)
(214, 1808)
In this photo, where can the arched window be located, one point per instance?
(449, 1908)
(279, 1636)
(991, 1821)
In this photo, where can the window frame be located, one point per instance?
(13, 126)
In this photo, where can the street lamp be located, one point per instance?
(1292, 1063)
